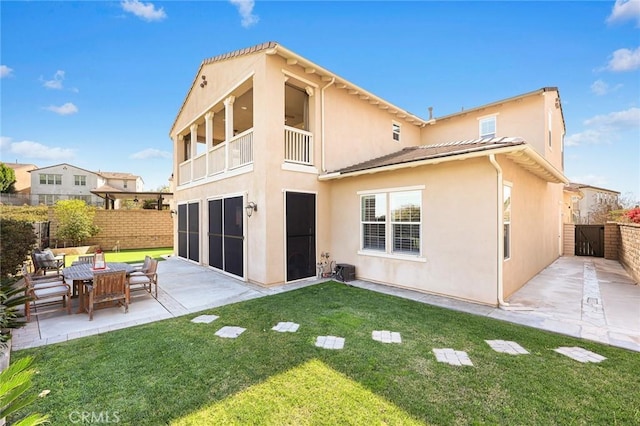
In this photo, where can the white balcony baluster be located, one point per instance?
(298, 146)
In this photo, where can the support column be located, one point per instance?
(228, 127)
(177, 145)
(208, 136)
(193, 146)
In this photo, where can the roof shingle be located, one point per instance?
(425, 152)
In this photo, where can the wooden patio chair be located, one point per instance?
(145, 266)
(45, 261)
(45, 293)
(107, 287)
(85, 259)
(147, 279)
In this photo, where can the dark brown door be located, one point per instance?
(301, 235)
(590, 240)
(189, 231)
(226, 238)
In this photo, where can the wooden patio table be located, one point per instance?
(81, 272)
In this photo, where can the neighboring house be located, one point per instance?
(23, 178)
(22, 184)
(572, 195)
(65, 181)
(278, 161)
(593, 203)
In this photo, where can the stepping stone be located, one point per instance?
(453, 357)
(230, 332)
(330, 342)
(283, 327)
(386, 336)
(507, 347)
(205, 319)
(580, 354)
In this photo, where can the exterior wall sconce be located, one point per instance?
(250, 208)
(173, 213)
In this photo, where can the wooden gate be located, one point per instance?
(590, 240)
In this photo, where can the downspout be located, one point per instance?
(499, 215)
(333, 79)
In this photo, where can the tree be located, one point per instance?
(16, 242)
(75, 221)
(7, 179)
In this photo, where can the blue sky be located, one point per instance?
(97, 84)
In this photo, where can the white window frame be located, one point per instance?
(50, 179)
(506, 223)
(396, 129)
(80, 180)
(388, 251)
(486, 119)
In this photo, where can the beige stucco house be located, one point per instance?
(66, 181)
(589, 203)
(278, 161)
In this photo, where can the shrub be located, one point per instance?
(75, 221)
(16, 242)
(16, 381)
(12, 296)
(634, 215)
(26, 213)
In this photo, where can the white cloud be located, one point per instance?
(606, 128)
(56, 81)
(245, 8)
(150, 153)
(624, 60)
(601, 88)
(66, 109)
(34, 150)
(145, 11)
(624, 10)
(5, 71)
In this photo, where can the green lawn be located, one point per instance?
(128, 256)
(178, 372)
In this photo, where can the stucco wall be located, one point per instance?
(526, 117)
(67, 186)
(536, 225)
(458, 236)
(130, 229)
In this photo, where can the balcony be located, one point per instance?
(224, 157)
(298, 146)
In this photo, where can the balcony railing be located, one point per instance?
(241, 149)
(200, 166)
(184, 172)
(216, 159)
(298, 146)
(233, 154)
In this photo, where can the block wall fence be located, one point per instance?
(129, 229)
(621, 243)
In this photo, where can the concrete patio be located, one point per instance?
(589, 298)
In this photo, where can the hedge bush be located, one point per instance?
(17, 239)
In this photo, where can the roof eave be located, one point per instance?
(524, 155)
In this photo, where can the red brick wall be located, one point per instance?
(130, 229)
